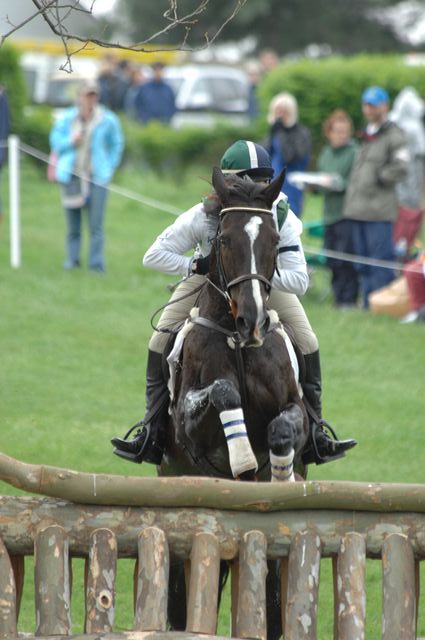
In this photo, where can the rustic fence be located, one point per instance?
(204, 520)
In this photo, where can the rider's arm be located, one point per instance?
(291, 275)
(167, 252)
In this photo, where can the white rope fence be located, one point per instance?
(15, 145)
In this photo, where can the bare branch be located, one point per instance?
(55, 13)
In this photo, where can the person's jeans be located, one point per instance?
(338, 237)
(96, 212)
(373, 240)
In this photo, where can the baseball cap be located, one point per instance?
(89, 86)
(244, 157)
(375, 96)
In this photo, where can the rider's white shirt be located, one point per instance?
(194, 228)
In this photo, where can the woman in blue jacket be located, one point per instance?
(88, 143)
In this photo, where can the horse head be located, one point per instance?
(246, 250)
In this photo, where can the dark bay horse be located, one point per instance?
(236, 412)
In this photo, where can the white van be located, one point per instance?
(206, 94)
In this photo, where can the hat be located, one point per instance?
(375, 96)
(89, 86)
(246, 157)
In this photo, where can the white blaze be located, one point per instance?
(253, 228)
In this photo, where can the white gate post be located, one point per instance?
(15, 225)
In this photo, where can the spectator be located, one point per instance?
(88, 142)
(408, 112)
(289, 145)
(4, 133)
(414, 272)
(253, 72)
(337, 158)
(155, 98)
(113, 82)
(269, 60)
(371, 199)
(137, 78)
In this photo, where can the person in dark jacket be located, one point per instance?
(155, 99)
(289, 145)
(371, 200)
(336, 159)
(4, 133)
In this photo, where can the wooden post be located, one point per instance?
(251, 619)
(152, 581)
(351, 595)
(399, 589)
(51, 574)
(303, 586)
(203, 585)
(101, 576)
(7, 595)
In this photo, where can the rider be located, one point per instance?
(196, 229)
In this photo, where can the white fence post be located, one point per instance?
(15, 224)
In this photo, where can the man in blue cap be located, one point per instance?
(371, 199)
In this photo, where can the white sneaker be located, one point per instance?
(412, 316)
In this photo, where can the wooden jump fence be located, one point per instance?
(204, 520)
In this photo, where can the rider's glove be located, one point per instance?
(201, 266)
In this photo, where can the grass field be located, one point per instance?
(73, 354)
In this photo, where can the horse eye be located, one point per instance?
(224, 241)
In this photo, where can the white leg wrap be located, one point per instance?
(241, 456)
(282, 467)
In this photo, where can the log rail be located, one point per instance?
(297, 525)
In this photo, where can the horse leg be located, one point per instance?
(223, 395)
(285, 435)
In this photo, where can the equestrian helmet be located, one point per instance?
(247, 158)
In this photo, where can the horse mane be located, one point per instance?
(241, 189)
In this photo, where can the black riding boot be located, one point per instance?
(323, 444)
(148, 443)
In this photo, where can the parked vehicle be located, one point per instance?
(206, 94)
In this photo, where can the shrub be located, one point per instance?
(12, 79)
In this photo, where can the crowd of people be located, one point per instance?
(372, 186)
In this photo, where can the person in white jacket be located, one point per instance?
(195, 229)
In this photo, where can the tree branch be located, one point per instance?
(55, 13)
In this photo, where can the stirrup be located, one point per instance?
(312, 454)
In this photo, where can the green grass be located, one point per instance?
(73, 354)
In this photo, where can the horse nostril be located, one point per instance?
(242, 326)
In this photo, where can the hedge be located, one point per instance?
(12, 78)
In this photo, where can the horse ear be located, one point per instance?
(272, 191)
(219, 184)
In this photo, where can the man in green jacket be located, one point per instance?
(371, 200)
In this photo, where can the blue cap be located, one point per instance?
(375, 96)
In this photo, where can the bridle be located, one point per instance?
(225, 285)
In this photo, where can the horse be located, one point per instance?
(236, 410)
